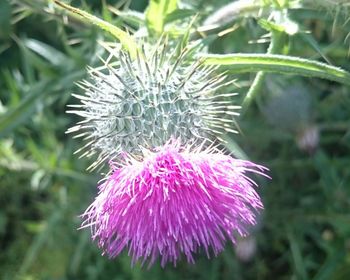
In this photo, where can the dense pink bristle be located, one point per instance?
(173, 203)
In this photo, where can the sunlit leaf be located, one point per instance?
(48, 52)
(246, 63)
(156, 14)
(125, 39)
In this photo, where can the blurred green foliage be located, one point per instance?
(298, 127)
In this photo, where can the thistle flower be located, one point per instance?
(129, 104)
(174, 202)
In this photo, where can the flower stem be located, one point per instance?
(274, 48)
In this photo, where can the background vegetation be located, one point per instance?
(298, 127)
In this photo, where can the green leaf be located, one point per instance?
(288, 26)
(244, 63)
(125, 39)
(331, 264)
(299, 262)
(54, 56)
(133, 18)
(234, 147)
(40, 240)
(5, 18)
(179, 14)
(156, 14)
(22, 112)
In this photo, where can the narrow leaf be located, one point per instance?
(179, 14)
(156, 14)
(125, 39)
(243, 63)
(233, 147)
(54, 56)
(21, 113)
(133, 18)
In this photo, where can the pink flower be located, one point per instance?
(173, 203)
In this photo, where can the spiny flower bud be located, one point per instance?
(130, 104)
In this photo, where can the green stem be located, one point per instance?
(274, 48)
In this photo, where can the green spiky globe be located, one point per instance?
(129, 104)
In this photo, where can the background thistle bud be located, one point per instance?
(131, 104)
(308, 138)
(245, 248)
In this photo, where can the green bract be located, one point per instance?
(129, 104)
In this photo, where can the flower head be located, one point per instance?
(173, 203)
(129, 104)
